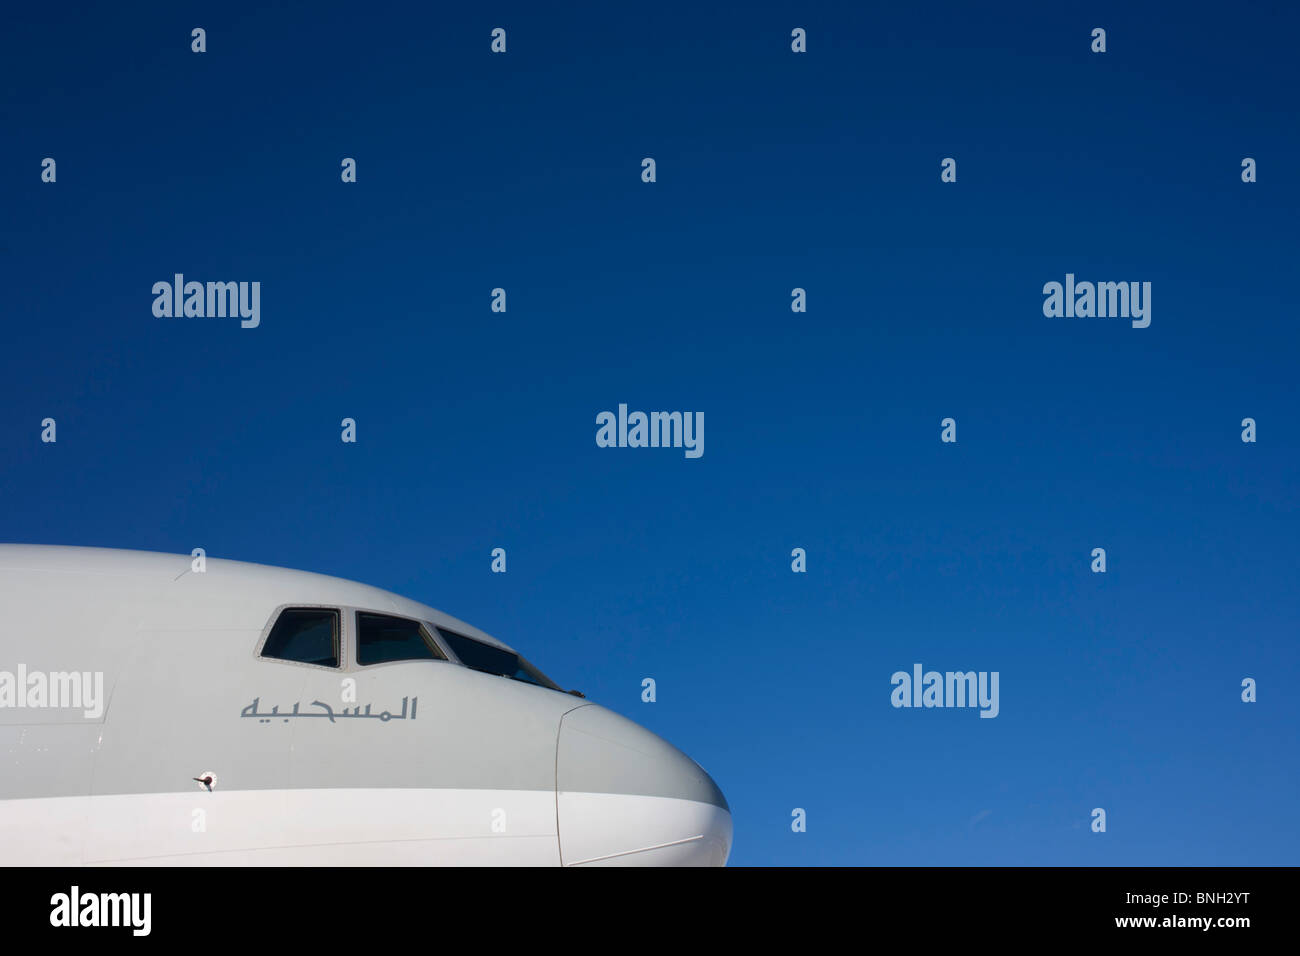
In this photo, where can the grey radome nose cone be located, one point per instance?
(627, 796)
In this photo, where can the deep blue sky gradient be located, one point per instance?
(477, 429)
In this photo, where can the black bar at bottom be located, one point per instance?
(206, 907)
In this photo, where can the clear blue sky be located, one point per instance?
(775, 170)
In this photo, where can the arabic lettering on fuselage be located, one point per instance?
(327, 712)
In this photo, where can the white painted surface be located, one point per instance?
(392, 827)
(361, 827)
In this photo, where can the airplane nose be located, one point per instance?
(627, 797)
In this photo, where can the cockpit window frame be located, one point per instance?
(428, 631)
(340, 637)
(348, 642)
(550, 685)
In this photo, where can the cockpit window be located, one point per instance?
(305, 635)
(494, 660)
(382, 639)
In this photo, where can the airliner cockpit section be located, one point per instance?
(347, 726)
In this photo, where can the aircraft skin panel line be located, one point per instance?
(644, 849)
(155, 711)
(672, 832)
